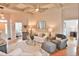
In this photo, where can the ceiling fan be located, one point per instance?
(36, 9)
(18, 7)
(27, 8)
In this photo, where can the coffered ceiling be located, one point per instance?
(32, 7)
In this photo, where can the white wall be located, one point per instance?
(53, 18)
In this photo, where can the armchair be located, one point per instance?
(60, 41)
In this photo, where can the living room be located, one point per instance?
(38, 29)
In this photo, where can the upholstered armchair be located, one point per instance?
(60, 41)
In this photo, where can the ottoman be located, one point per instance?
(49, 46)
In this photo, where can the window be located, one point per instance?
(70, 26)
(18, 28)
(41, 24)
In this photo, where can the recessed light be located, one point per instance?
(36, 10)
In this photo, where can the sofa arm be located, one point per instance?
(62, 44)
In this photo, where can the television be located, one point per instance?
(73, 34)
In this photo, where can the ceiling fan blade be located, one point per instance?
(43, 9)
(30, 13)
(48, 6)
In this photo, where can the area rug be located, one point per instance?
(59, 53)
